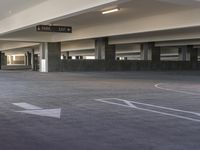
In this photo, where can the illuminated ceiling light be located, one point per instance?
(110, 11)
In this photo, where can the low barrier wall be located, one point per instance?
(15, 67)
(128, 65)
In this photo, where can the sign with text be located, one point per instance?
(59, 29)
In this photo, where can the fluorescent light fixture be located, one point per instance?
(110, 11)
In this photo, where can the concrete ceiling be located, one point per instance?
(93, 20)
(10, 7)
(182, 2)
(132, 9)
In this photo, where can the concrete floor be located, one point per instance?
(90, 121)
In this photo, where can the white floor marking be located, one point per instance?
(26, 106)
(161, 107)
(53, 113)
(34, 110)
(129, 104)
(126, 104)
(159, 86)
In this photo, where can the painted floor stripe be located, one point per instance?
(27, 106)
(159, 86)
(162, 107)
(127, 104)
(53, 113)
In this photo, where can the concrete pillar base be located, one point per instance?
(50, 57)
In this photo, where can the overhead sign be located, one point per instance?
(59, 29)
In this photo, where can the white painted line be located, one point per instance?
(129, 104)
(53, 113)
(148, 110)
(161, 107)
(27, 106)
(159, 86)
(172, 115)
(108, 102)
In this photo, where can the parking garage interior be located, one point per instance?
(99, 75)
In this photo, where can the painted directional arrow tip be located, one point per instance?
(34, 110)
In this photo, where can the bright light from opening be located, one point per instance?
(61, 57)
(110, 11)
(14, 58)
(90, 57)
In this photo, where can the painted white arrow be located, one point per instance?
(34, 110)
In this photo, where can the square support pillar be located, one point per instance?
(3, 59)
(110, 52)
(184, 54)
(25, 59)
(146, 51)
(156, 54)
(77, 57)
(33, 63)
(150, 52)
(67, 55)
(193, 54)
(50, 57)
(28, 58)
(104, 51)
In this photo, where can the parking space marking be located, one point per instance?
(130, 104)
(159, 86)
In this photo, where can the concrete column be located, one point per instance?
(50, 57)
(25, 59)
(184, 54)
(67, 55)
(33, 60)
(156, 54)
(146, 51)
(28, 58)
(104, 51)
(193, 54)
(3, 59)
(150, 52)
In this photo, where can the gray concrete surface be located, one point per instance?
(87, 124)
